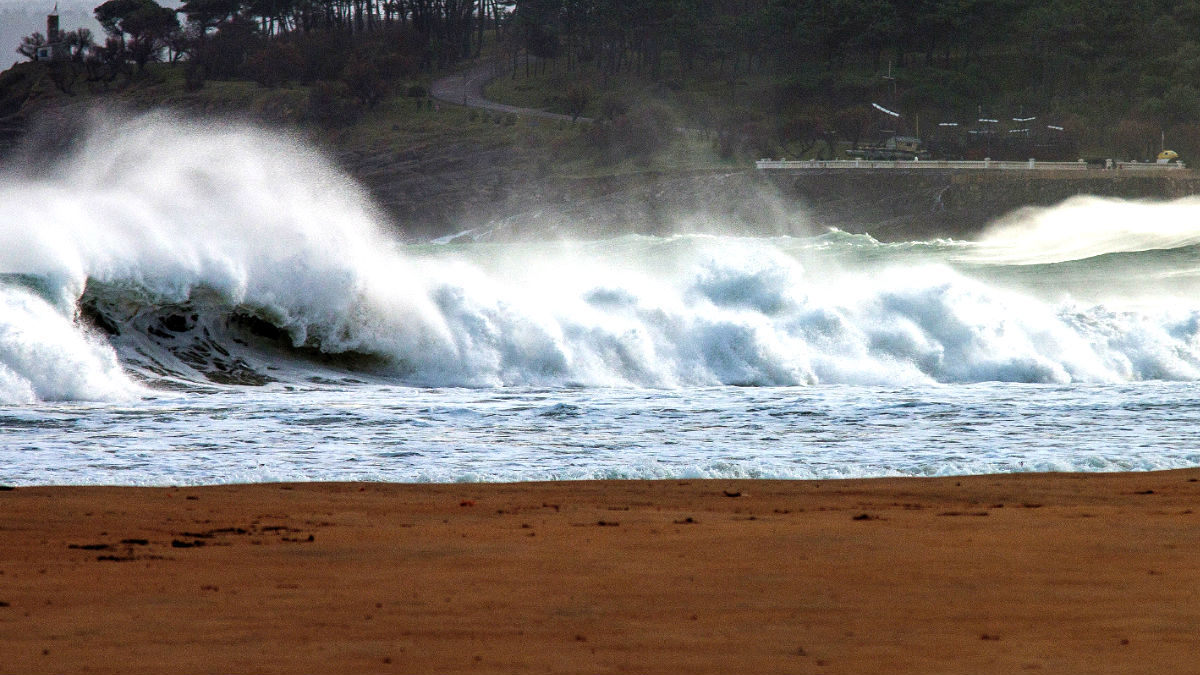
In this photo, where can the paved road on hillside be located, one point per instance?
(466, 88)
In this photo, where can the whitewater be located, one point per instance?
(190, 303)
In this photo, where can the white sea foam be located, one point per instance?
(44, 356)
(168, 210)
(1086, 227)
(164, 207)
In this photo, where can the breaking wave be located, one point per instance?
(164, 253)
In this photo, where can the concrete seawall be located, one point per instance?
(895, 204)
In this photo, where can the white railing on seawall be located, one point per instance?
(987, 164)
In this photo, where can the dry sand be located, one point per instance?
(1041, 573)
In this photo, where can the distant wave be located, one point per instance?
(1088, 227)
(173, 254)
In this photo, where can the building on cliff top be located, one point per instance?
(56, 46)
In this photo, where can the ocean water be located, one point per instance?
(191, 304)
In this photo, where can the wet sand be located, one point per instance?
(1029, 573)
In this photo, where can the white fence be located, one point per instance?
(987, 164)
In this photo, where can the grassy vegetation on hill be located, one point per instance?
(735, 119)
(404, 119)
(667, 82)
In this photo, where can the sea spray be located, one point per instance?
(44, 356)
(159, 208)
(228, 255)
(1088, 227)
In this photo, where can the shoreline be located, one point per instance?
(1031, 572)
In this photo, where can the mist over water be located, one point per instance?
(1088, 227)
(222, 270)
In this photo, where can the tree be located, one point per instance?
(364, 82)
(1182, 103)
(149, 29)
(80, 42)
(275, 64)
(180, 42)
(30, 44)
(272, 14)
(1135, 139)
(105, 64)
(110, 14)
(578, 97)
(853, 122)
(803, 127)
(224, 53)
(208, 14)
(147, 24)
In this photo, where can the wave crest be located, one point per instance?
(188, 253)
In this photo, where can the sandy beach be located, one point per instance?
(1012, 573)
